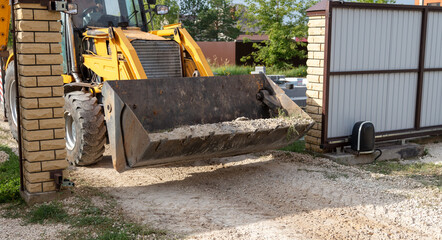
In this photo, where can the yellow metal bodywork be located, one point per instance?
(181, 36)
(67, 79)
(189, 67)
(116, 59)
(5, 17)
(10, 58)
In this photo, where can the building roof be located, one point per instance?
(252, 38)
(318, 7)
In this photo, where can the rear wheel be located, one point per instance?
(85, 129)
(11, 99)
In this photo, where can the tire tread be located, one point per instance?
(93, 130)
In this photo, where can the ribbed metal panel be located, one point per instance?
(388, 100)
(431, 113)
(159, 58)
(433, 55)
(369, 39)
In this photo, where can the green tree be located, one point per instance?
(160, 21)
(190, 13)
(210, 20)
(222, 21)
(172, 17)
(282, 21)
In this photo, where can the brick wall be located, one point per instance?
(41, 91)
(315, 76)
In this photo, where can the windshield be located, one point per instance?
(104, 13)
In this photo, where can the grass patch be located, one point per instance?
(9, 177)
(128, 231)
(111, 235)
(334, 176)
(298, 147)
(85, 219)
(91, 221)
(300, 71)
(227, 70)
(429, 174)
(91, 210)
(15, 210)
(105, 221)
(117, 231)
(52, 212)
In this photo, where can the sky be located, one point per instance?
(410, 2)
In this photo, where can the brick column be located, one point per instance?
(41, 103)
(315, 76)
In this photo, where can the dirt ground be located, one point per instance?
(14, 228)
(272, 195)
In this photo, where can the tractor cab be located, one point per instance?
(85, 32)
(110, 13)
(116, 13)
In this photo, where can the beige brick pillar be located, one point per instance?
(41, 103)
(315, 77)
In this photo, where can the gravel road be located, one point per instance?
(272, 195)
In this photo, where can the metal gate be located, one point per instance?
(383, 63)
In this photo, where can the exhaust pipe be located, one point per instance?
(71, 49)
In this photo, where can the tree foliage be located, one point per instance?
(172, 17)
(282, 21)
(190, 12)
(209, 20)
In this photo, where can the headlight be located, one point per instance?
(161, 9)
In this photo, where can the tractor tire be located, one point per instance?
(85, 129)
(10, 92)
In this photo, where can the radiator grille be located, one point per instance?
(159, 58)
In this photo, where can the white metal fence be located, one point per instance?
(383, 64)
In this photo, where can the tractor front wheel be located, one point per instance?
(11, 99)
(85, 129)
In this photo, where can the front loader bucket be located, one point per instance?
(158, 121)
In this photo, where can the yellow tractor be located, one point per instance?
(152, 95)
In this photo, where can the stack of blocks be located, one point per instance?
(315, 77)
(41, 91)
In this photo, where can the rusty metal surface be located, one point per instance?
(210, 146)
(191, 100)
(138, 111)
(113, 108)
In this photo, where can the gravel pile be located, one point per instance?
(239, 125)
